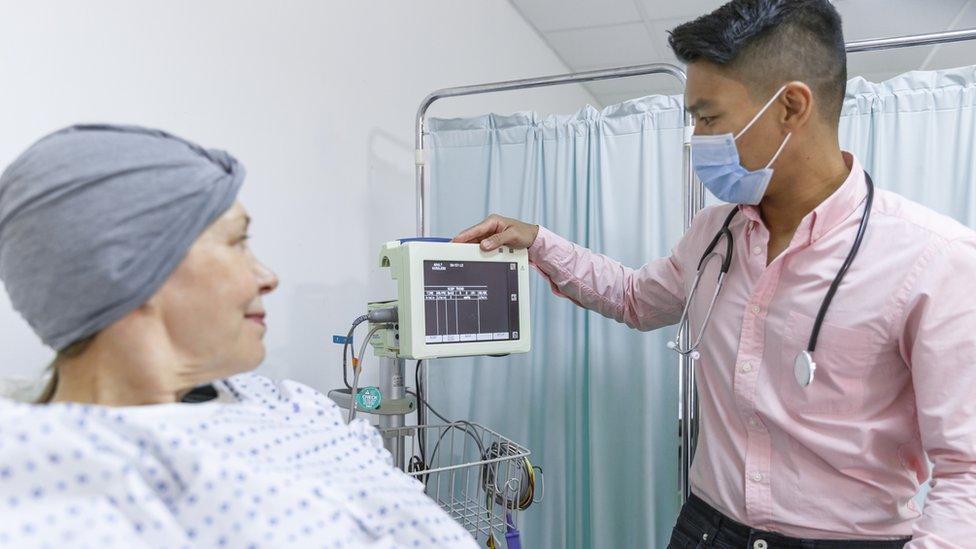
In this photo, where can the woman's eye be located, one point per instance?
(707, 120)
(242, 241)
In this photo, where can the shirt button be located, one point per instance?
(756, 309)
(760, 544)
(753, 422)
(757, 477)
(746, 367)
(757, 250)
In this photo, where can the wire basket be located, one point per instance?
(481, 478)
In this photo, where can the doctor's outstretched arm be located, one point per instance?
(646, 298)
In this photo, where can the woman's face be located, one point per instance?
(211, 305)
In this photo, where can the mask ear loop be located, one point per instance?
(781, 147)
(760, 113)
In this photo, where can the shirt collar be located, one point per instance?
(832, 211)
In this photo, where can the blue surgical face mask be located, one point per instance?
(716, 161)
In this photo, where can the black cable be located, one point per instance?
(348, 345)
(421, 411)
(467, 428)
(421, 400)
(489, 472)
(489, 477)
(345, 367)
(416, 465)
(422, 406)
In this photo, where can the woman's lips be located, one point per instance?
(257, 317)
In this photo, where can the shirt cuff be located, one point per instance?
(546, 253)
(547, 247)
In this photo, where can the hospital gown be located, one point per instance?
(267, 465)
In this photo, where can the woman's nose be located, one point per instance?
(267, 279)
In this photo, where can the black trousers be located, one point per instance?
(701, 526)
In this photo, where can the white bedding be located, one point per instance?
(268, 465)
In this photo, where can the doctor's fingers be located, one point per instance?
(514, 236)
(492, 225)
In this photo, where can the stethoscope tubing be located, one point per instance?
(726, 233)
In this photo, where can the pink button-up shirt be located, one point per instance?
(896, 365)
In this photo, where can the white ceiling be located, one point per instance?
(593, 34)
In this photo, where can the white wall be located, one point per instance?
(317, 98)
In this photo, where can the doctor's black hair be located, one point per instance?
(766, 43)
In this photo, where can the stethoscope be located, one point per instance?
(804, 366)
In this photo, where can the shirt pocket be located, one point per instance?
(844, 358)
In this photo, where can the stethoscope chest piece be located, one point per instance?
(804, 368)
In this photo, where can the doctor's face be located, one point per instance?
(721, 104)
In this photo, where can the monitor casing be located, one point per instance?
(406, 263)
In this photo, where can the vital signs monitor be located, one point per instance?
(457, 300)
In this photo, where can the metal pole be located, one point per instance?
(694, 200)
(877, 44)
(391, 372)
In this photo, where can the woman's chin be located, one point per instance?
(254, 359)
(246, 361)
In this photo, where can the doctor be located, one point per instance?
(834, 463)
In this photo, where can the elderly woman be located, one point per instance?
(126, 251)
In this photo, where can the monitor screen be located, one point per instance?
(470, 301)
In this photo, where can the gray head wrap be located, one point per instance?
(94, 218)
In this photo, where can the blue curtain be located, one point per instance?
(916, 135)
(594, 401)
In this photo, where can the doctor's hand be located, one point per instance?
(497, 231)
